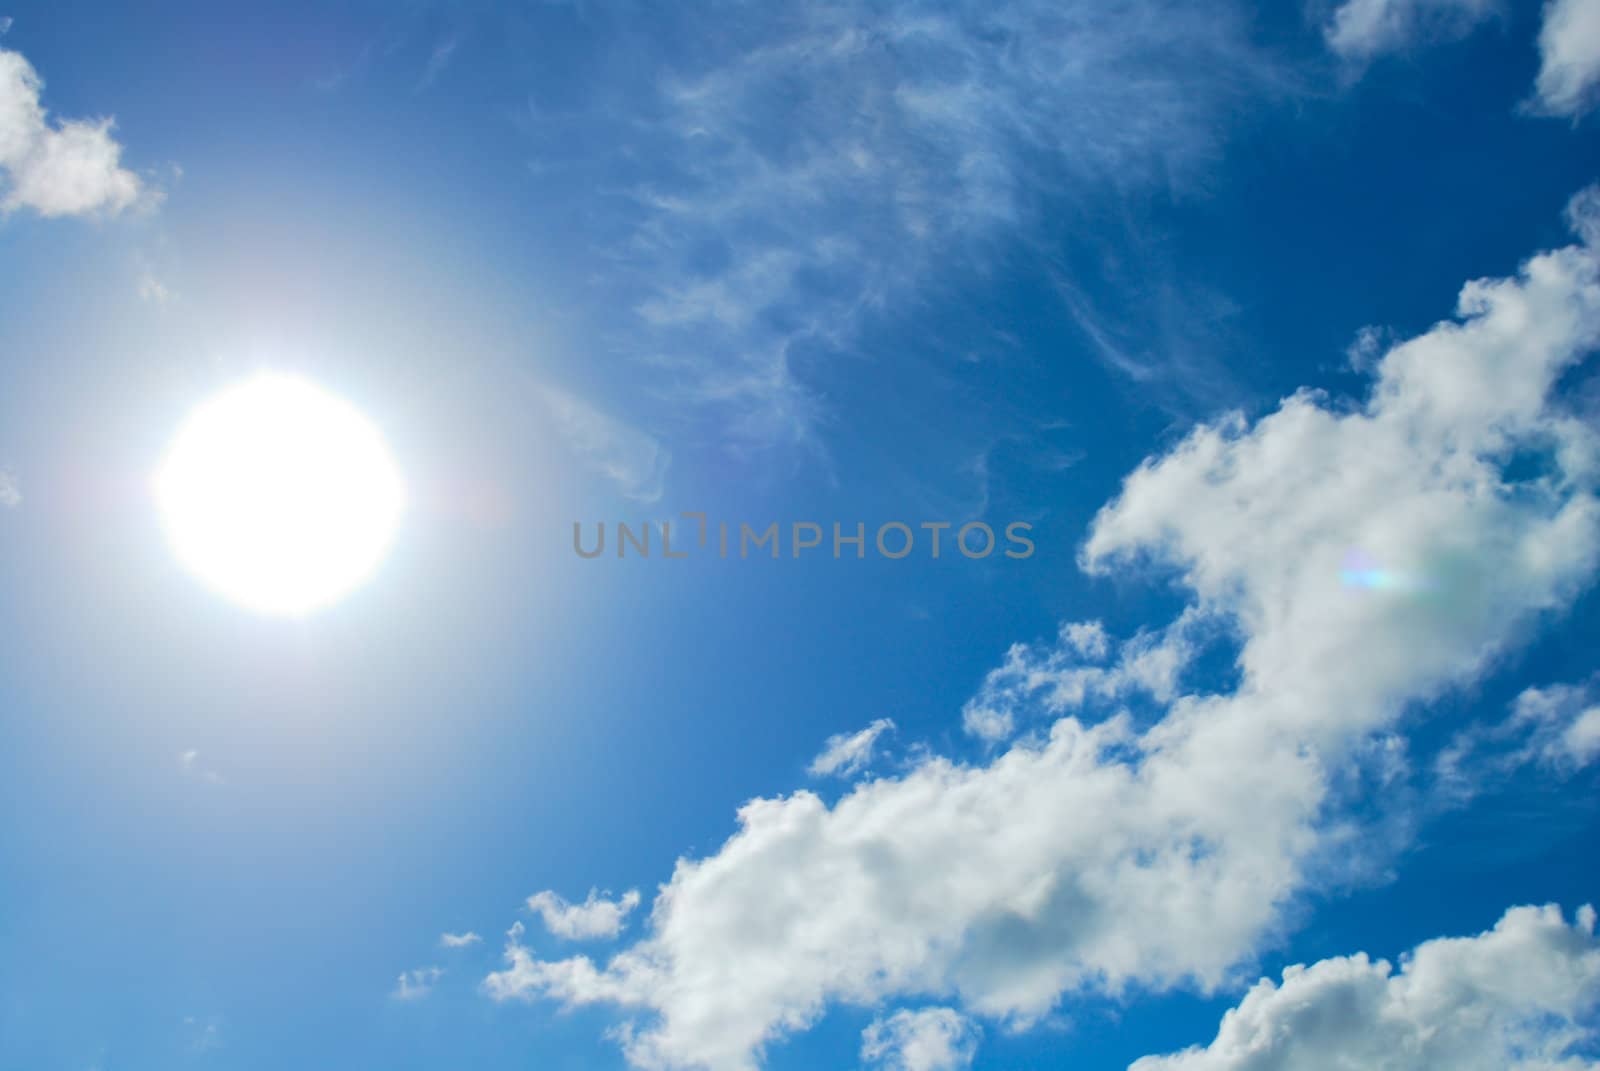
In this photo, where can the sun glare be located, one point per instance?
(279, 495)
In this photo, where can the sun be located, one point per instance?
(279, 495)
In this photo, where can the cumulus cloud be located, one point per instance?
(847, 754)
(458, 940)
(414, 985)
(1513, 999)
(1363, 29)
(1057, 678)
(595, 918)
(10, 492)
(55, 167)
(1569, 58)
(932, 1039)
(1365, 558)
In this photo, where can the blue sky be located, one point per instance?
(1277, 327)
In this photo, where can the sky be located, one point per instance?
(1261, 343)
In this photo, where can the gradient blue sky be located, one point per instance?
(1331, 686)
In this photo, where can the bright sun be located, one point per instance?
(279, 495)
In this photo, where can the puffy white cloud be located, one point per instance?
(1362, 29)
(931, 1039)
(1569, 57)
(1513, 999)
(458, 940)
(1365, 558)
(847, 754)
(56, 168)
(1059, 678)
(414, 985)
(595, 918)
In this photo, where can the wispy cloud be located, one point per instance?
(438, 60)
(10, 490)
(636, 463)
(56, 167)
(151, 288)
(414, 985)
(822, 163)
(458, 940)
(192, 766)
(848, 754)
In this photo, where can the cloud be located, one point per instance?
(932, 1039)
(1363, 29)
(414, 985)
(595, 918)
(203, 1036)
(815, 166)
(56, 168)
(1555, 728)
(438, 59)
(458, 940)
(848, 754)
(190, 761)
(1055, 679)
(1511, 999)
(635, 462)
(1562, 724)
(1393, 535)
(151, 288)
(10, 492)
(1569, 58)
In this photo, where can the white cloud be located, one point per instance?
(1060, 678)
(931, 1039)
(56, 168)
(10, 492)
(1556, 727)
(458, 940)
(1363, 29)
(151, 288)
(1368, 557)
(847, 754)
(635, 462)
(1569, 57)
(414, 985)
(595, 918)
(1511, 999)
